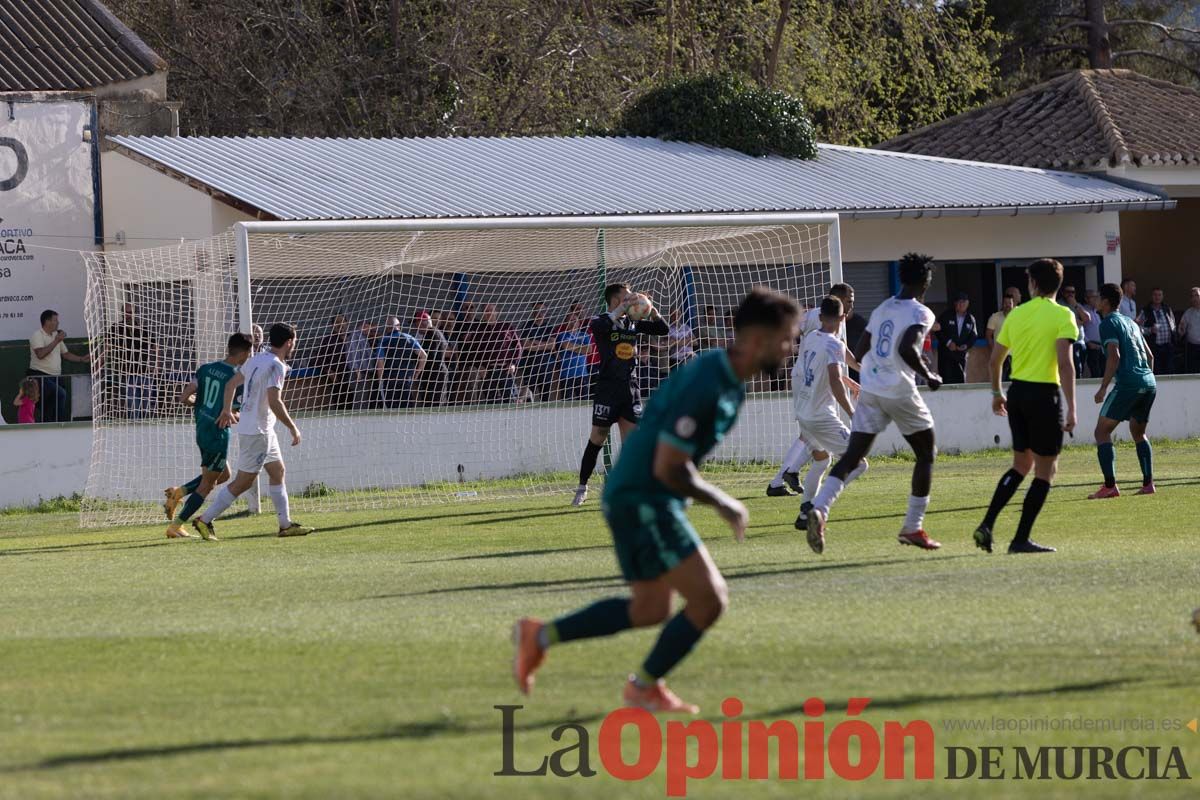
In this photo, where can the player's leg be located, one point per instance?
(1107, 456)
(252, 454)
(591, 452)
(1139, 419)
(276, 472)
(1045, 420)
(797, 455)
(831, 487)
(1018, 425)
(213, 471)
(924, 447)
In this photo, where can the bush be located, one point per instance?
(722, 111)
(316, 489)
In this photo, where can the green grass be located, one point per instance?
(365, 661)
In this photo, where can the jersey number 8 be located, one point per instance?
(883, 348)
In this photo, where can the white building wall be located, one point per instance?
(59, 455)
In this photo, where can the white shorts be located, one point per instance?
(826, 433)
(257, 449)
(874, 412)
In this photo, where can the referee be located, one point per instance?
(1040, 334)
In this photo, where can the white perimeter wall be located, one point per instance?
(50, 460)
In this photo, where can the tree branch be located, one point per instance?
(1166, 30)
(1160, 57)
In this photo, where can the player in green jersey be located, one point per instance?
(1131, 362)
(208, 389)
(644, 501)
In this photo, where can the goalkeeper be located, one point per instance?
(616, 394)
(209, 389)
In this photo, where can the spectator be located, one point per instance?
(575, 344)
(1015, 293)
(539, 341)
(1158, 328)
(679, 340)
(46, 352)
(711, 333)
(130, 368)
(260, 346)
(28, 395)
(995, 323)
(1093, 356)
(465, 349)
(958, 335)
(1128, 305)
(1082, 317)
(360, 360)
(399, 361)
(435, 380)
(498, 349)
(1189, 330)
(332, 359)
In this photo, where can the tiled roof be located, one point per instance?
(298, 179)
(64, 45)
(1086, 119)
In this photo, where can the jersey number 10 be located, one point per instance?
(211, 390)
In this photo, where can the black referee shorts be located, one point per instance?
(1035, 417)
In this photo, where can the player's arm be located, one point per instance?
(674, 468)
(188, 391)
(1110, 369)
(838, 389)
(655, 326)
(910, 352)
(226, 419)
(851, 361)
(862, 348)
(996, 368)
(275, 401)
(422, 360)
(1066, 374)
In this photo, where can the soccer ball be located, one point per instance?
(639, 307)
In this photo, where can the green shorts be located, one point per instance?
(650, 538)
(1125, 402)
(214, 448)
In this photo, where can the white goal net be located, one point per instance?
(434, 363)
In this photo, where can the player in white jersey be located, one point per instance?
(799, 453)
(817, 392)
(890, 351)
(258, 448)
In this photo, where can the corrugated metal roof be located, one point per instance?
(293, 179)
(58, 45)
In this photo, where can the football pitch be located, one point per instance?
(367, 660)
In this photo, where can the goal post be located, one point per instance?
(437, 359)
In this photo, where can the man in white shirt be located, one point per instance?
(817, 392)
(46, 353)
(1189, 329)
(258, 448)
(1128, 303)
(799, 453)
(890, 351)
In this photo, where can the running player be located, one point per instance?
(890, 351)
(616, 394)
(1131, 362)
(208, 387)
(787, 479)
(1041, 335)
(258, 449)
(644, 500)
(817, 392)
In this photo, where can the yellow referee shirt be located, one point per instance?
(1031, 331)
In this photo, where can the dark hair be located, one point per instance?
(281, 334)
(1156, 289)
(240, 343)
(764, 308)
(1047, 274)
(47, 315)
(915, 269)
(841, 290)
(1112, 293)
(831, 307)
(614, 289)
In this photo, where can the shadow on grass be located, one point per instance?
(512, 554)
(604, 581)
(438, 517)
(911, 700)
(405, 731)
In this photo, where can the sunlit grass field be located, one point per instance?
(366, 660)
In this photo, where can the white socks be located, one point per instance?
(830, 489)
(280, 498)
(793, 461)
(859, 470)
(914, 520)
(812, 480)
(218, 504)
